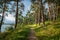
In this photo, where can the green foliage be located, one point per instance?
(18, 34)
(50, 32)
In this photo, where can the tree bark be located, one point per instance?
(36, 15)
(39, 14)
(56, 12)
(16, 19)
(49, 13)
(42, 14)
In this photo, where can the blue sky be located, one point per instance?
(27, 4)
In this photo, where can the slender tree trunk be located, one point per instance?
(49, 13)
(39, 14)
(56, 11)
(53, 15)
(39, 18)
(36, 16)
(2, 16)
(16, 19)
(42, 14)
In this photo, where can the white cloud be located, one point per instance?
(9, 19)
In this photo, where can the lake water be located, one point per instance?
(3, 28)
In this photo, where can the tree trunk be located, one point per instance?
(42, 14)
(16, 19)
(2, 16)
(56, 12)
(39, 14)
(49, 13)
(36, 16)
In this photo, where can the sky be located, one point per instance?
(27, 4)
(9, 19)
